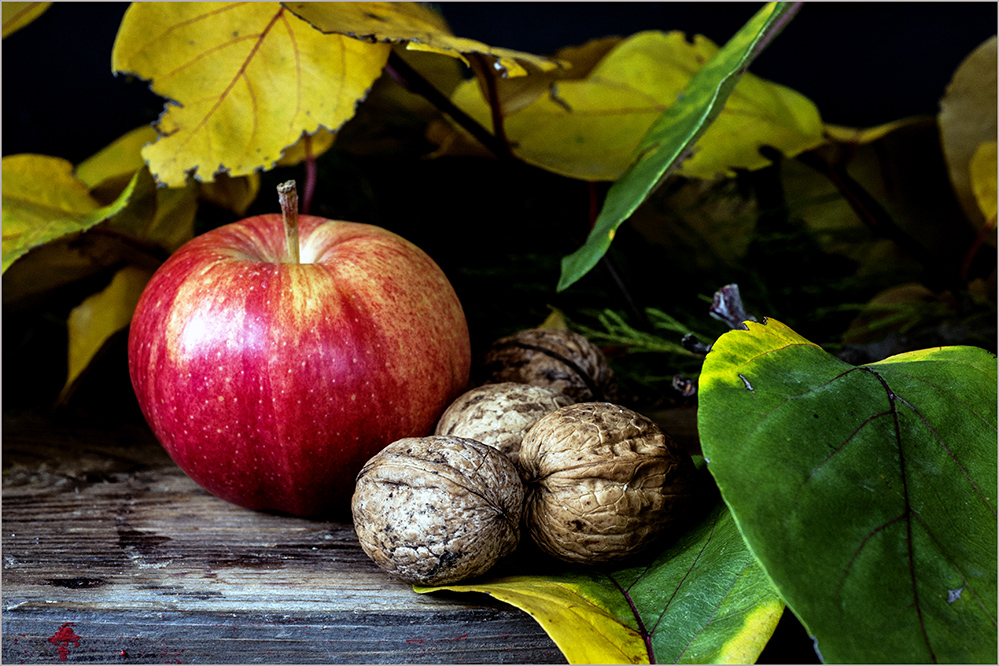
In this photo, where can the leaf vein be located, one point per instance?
(241, 72)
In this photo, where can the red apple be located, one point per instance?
(271, 383)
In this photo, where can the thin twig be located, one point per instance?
(873, 215)
(310, 176)
(486, 73)
(414, 82)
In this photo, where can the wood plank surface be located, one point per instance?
(112, 555)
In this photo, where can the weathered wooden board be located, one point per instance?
(111, 554)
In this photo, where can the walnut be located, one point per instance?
(436, 510)
(602, 482)
(500, 414)
(558, 359)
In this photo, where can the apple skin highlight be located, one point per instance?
(271, 384)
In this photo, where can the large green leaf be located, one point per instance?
(868, 493)
(673, 135)
(704, 599)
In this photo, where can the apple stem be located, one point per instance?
(288, 197)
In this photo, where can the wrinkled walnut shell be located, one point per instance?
(557, 359)
(436, 510)
(602, 482)
(500, 414)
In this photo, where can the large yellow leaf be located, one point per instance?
(16, 15)
(247, 80)
(582, 625)
(983, 180)
(100, 316)
(967, 118)
(422, 28)
(590, 128)
(42, 201)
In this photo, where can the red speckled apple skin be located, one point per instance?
(271, 384)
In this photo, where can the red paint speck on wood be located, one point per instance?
(63, 637)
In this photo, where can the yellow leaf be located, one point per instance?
(247, 80)
(590, 128)
(585, 630)
(705, 223)
(514, 94)
(42, 201)
(967, 118)
(893, 169)
(420, 26)
(163, 216)
(121, 158)
(860, 136)
(555, 321)
(100, 316)
(984, 164)
(235, 194)
(896, 310)
(157, 215)
(16, 15)
(318, 144)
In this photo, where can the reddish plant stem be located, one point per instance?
(310, 175)
(976, 244)
(776, 30)
(288, 198)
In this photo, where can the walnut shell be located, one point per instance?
(500, 414)
(436, 510)
(602, 482)
(558, 359)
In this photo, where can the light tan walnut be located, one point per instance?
(557, 359)
(437, 510)
(602, 482)
(500, 414)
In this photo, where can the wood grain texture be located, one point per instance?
(102, 530)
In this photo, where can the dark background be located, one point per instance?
(861, 63)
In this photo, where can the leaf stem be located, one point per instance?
(310, 175)
(487, 74)
(878, 220)
(646, 636)
(288, 198)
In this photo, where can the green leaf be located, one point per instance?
(868, 493)
(704, 599)
(673, 135)
(43, 201)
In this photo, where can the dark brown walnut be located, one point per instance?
(602, 482)
(437, 510)
(500, 414)
(557, 359)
